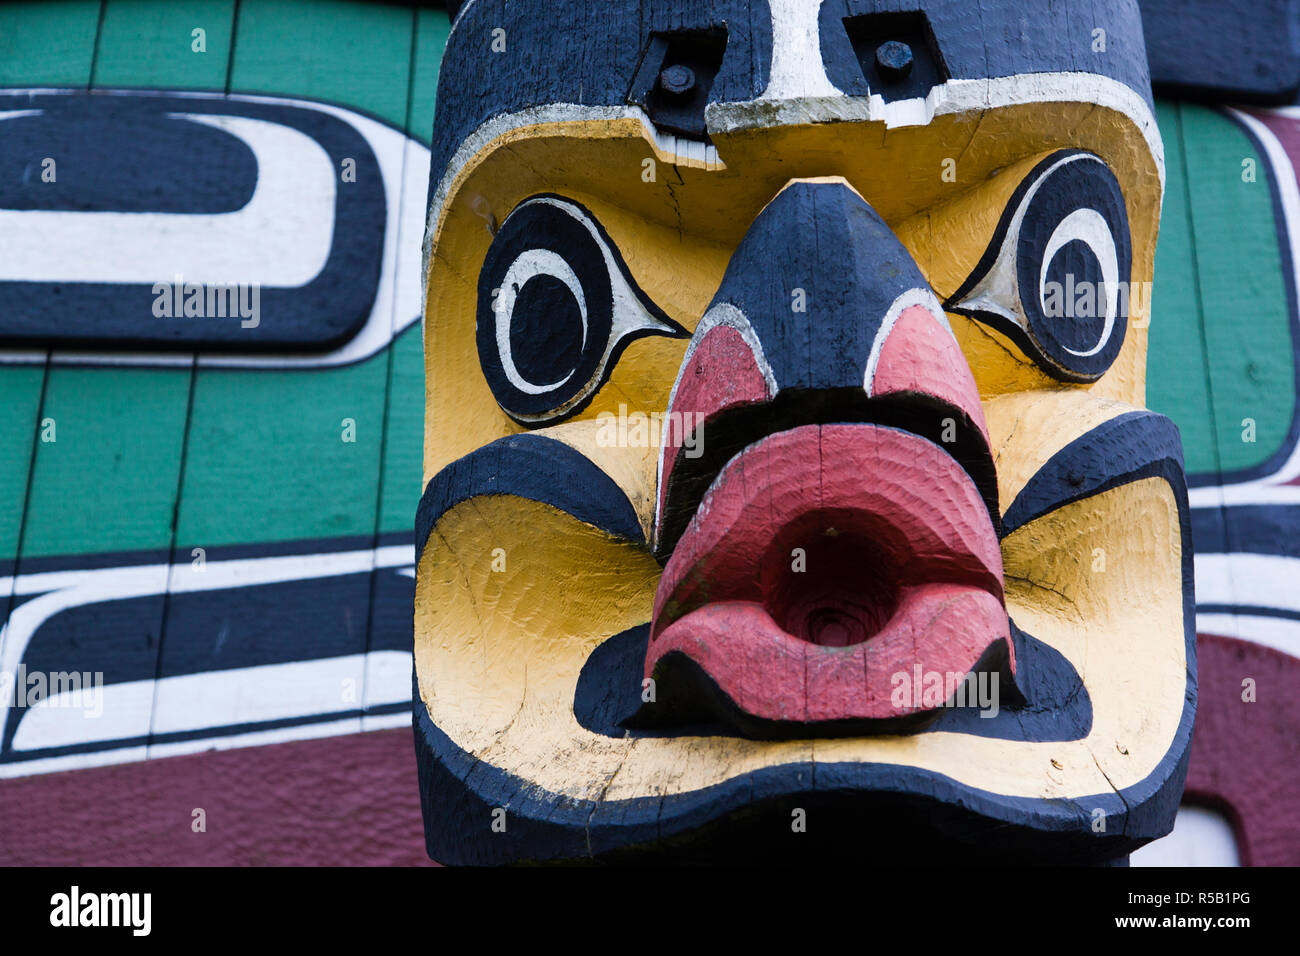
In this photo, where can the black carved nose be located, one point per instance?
(816, 276)
(822, 317)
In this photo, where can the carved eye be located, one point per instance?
(1055, 278)
(556, 307)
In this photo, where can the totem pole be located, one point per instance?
(790, 489)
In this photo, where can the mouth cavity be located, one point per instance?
(852, 598)
(822, 568)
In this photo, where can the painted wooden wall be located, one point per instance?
(149, 462)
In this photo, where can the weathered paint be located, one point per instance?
(1225, 250)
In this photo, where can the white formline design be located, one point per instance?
(1244, 580)
(1270, 489)
(396, 306)
(61, 590)
(280, 237)
(193, 702)
(190, 703)
(1257, 580)
(1279, 633)
(256, 738)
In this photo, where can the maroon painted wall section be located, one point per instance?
(350, 800)
(1246, 756)
(354, 800)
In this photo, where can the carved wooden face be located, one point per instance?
(789, 483)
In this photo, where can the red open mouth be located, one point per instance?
(826, 568)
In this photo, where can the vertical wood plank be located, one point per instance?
(1241, 280)
(148, 44)
(393, 588)
(289, 461)
(41, 44)
(1242, 285)
(48, 44)
(1179, 382)
(1177, 375)
(105, 490)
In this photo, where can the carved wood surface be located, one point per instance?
(248, 462)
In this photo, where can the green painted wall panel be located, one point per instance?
(355, 54)
(1241, 281)
(1177, 380)
(431, 32)
(50, 44)
(20, 398)
(108, 483)
(144, 43)
(404, 435)
(293, 455)
(267, 460)
(404, 441)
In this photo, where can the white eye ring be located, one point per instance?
(1089, 227)
(530, 265)
(551, 238)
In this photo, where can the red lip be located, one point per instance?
(901, 569)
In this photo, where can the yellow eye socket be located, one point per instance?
(556, 306)
(1011, 258)
(674, 223)
(1055, 277)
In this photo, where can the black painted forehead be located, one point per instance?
(505, 56)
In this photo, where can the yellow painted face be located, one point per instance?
(676, 226)
(651, 616)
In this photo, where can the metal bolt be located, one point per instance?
(677, 80)
(894, 60)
